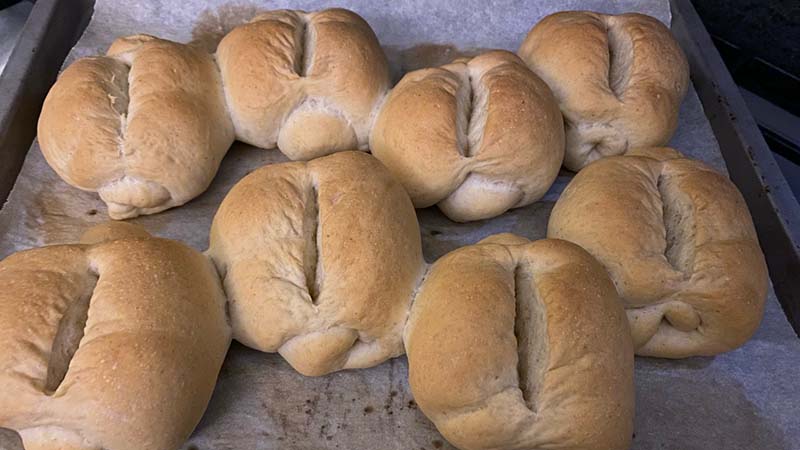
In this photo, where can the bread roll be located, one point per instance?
(619, 80)
(144, 126)
(113, 345)
(518, 345)
(320, 261)
(679, 244)
(476, 137)
(306, 82)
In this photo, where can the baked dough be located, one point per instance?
(679, 243)
(115, 344)
(307, 83)
(476, 137)
(319, 261)
(145, 126)
(619, 80)
(520, 345)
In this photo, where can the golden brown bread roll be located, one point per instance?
(619, 80)
(319, 261)
(520, 345)
(145, 126)
(477, 137)
(306, 82)
(115, 344)
(679, 243)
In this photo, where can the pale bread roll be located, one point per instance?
(619, 80)
(520, 345)
(307, 83)
(476, 137)
(680, 245)
(145, 126)
(111, 345)
(320, 261)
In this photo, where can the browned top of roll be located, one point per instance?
(619, 80)
(679, 243)
(145, 126)
(477, 137)
(306, 82)
(112, 345)
(319, 261)
(514, 344)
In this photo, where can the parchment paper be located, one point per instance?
(745, 399)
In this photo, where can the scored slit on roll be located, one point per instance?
(470, 111)
(125, 194)
(304, 46)
(677, 226)
(121, 102)
(620, 58)
(529, 330)
(68, 336)
(312, 260)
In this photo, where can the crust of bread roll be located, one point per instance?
(476, 137)
(619, 80)
(145, 126)
(307, 83)
(111, 345)
(320, 261)
(680, 245)
(519, 345)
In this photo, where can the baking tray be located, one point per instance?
(744, 399)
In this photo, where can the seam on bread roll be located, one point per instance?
(223, 90)
(426, 270)
(373, 116)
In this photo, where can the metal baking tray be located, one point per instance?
(698, 403)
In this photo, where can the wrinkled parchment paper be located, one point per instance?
(745, 399)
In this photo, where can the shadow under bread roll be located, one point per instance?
(114, 343)
(522, 345)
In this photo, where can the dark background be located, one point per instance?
(760, 44)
